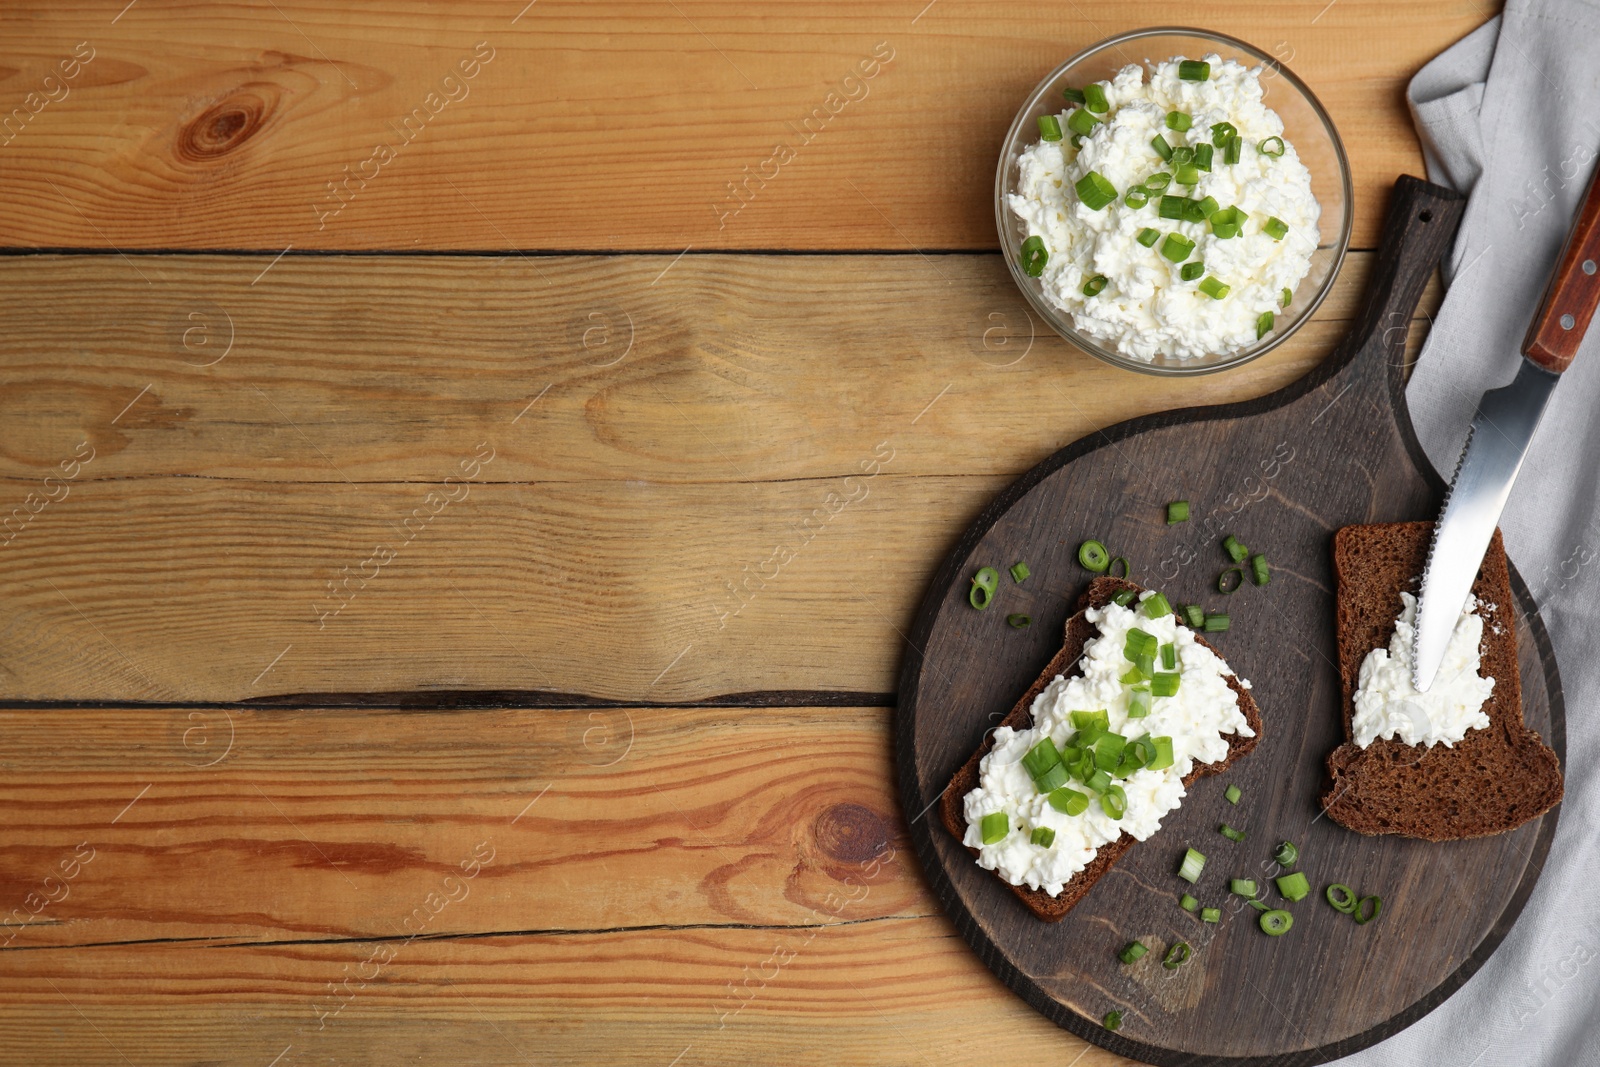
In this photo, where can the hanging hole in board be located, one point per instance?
(1426, 216)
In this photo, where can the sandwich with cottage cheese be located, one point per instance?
(1105, 742)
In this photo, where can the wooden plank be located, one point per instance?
(280, 522)
(617, 125)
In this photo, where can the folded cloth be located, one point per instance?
(1510, 116)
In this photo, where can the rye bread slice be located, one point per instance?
(1078, 631)
(1492, 780)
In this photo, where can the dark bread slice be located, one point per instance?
(1492, 780)
(1078, 631)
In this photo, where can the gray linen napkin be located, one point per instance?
(1510, 115)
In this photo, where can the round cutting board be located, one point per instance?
(1282, 473)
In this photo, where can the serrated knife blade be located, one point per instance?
(1497, 440)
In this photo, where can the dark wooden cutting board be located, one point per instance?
(1282, 473)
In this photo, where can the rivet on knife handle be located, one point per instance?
(1574, 291)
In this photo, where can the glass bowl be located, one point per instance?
(1305, 125)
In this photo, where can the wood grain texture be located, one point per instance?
(1282, 476)
(619, 125)
(306, 491)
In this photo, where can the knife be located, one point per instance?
(1497, 441)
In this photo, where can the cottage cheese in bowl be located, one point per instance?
(1171, 218)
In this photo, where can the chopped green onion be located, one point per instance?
(1092, 555)
(1176, 247)
(1124, 598)
(1113, 1021)
(1371, 913)
(1177, 511)
(1193, 863)
(1019, 572)
(1177, 120)
(1049, 128)
(1148, 237)
(1134, 676)
(1210, 915)
(1203, 208)
(1220, 132)
(1231, 150)
(1052, 779)
(1139, 701)
(1191, 271)
(1112, 566)
(1264, 324)
(1194, 70)
(1098, 782)
(1087, 720)
(1272, 146)
(1042, 836)
(1068, 801)
(1108, 751)
(1094, 98)
(984, 583)
(1188, 903)
(1232, 794)
(1288, 295)
(1136, 198)
(1073, 95)
(1095, 286)
(1082, 122)
(1169, 657)
(1215, 624)
(1034, 257)
(1234, 548)
(1213, 288)
(1259, 573)
(1243, 887)
(1188, 174)
(1041, 757)
(1275, 228)
(1230, 833)
(1176, 955)
(1202, 156)
(1287, 855)
(1132, 952)
(1194, 615)
(1163, 756)
(1163, 149)
(994, 827)
(1114, 802)
(1164, 683)
(1156, 606)
(1181, 155)
(1019, 622)
(1342, 897)
(1259, 905)
(1224, 586)
(1095, 191)
(1224, 231)
(1294, 886)
(1276, 923)
(1077, 140)
(1157, 182)
(1173, 207)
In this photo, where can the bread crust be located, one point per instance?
(1078, 631)
(1491, 781)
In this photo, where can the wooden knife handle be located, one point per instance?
(1574, 290)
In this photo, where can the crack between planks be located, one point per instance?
(474, 700)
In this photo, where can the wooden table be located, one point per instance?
(467, 473)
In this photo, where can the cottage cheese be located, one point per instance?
(1146, 308)
(1388, 705)
(1197, 718)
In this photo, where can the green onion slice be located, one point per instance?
(1136, 198)
(1041, 757)
(1164, 683)
(1091, 720)
(1176, 247)
(1243, 887)
(1210, 915)
(1231, 150)
(1220, 132)
(1204, 207)
(1176, 955)
(1019, 572)
(1224, 231)
(1294, 886)
(1098, 782)
(1108, 751)
(1177, 511)
(1148, 237)
(1157, 182)
(1034, 257)
(1052, 779)
(1072, 95)
(1049, 128)
(1194, 615)
(1231, 834)
(1193, 863)
(984, 583)
(1173, 207)
(1132, 952)
(1163, 757)
(1287, 855)
(1213, 288)
(994, 827)
(1113, 1021)
(1225, 586)
(1188, 174)
(1042, 836)
(1275, 228)
(1194, 70)
(1095, 285)
(1202, 156)
(1019, 622)
(1259, 572)
(1068, 801)
(1094, 98)
(1177, 120)
(1342, 897)
(1082, 122)
(1077, 140)
(1169, 656)
(1188, 903)
(1366, 916)
(1111, 568)
(1095, 191)
(1288, 295)
(1191, 271)
(1276, 922)
(1134, 676)
(1232, 794)
(1181, 155)
(1092, 555)
(1264, 324)
(1114, 802)
(1259, 905)
(1234, 548)
(1215, 624)
(1156, 606)
(1163, 149)
(1124, 598)
(1139, 701)
(1272, 146)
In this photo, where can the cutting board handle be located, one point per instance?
(1574, 290)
